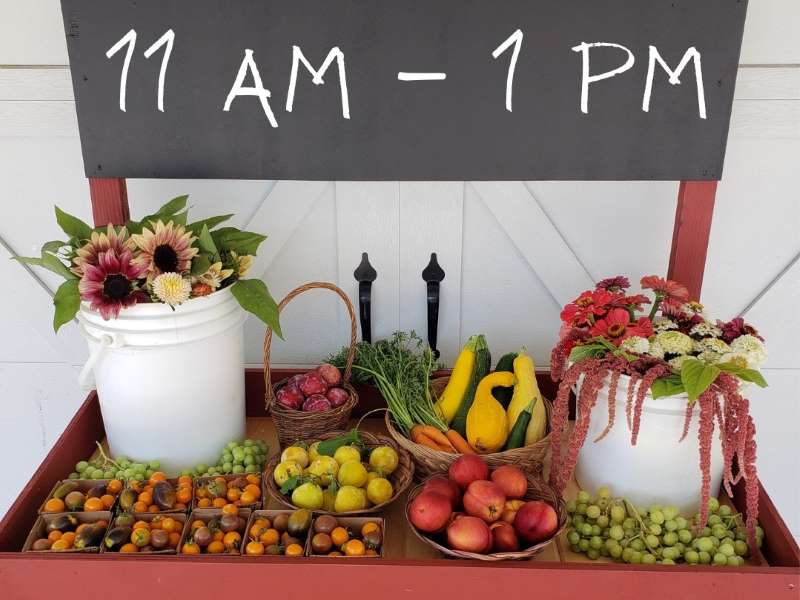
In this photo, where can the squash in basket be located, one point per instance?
(486, 420)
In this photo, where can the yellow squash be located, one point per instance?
(453, 394)
(538, 425)
(486, 420)
(525, 390)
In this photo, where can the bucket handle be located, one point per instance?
(103, 342)
(269, 393)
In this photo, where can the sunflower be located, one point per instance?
(99, 242)
(111, 284)
(165, 249)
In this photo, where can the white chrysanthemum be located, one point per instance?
(705, 329)
(171, 288)
(663, 324)
(636, 344)
(675, 342)
(738, 359)
(753, 348)
(677, 362)
(655, 350)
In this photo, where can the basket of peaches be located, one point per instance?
(472, 512)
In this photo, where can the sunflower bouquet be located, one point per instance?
(161, 258)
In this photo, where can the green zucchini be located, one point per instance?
(483, 363)
(503, 394)
(516, 439)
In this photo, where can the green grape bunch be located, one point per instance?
(248, 456)
(121, 467)
(604, 526)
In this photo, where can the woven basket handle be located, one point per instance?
(269, 395)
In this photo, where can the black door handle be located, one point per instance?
(433, 275)
(365, 274)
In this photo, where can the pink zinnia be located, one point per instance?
(672, 294)
(111, 284)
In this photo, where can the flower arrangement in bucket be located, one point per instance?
(670, 349)
(164, 296)
(160, 258)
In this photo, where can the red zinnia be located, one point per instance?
(111, 284)
(614, 327)
(586, 306)
(671, 293)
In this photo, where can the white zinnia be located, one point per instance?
(738, 359)
(663, 324)
(705, 329)
(712, 345)
(636, 344)
(172, 289)
(675, 342)
(656, 350)
(677, 362)
(752, 348)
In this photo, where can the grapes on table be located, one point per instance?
(605, 526)
(245, 456)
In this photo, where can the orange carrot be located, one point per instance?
(419, 436)
(437, 436)
(459, 443)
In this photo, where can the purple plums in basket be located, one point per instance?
(314, 391)
(316, 403)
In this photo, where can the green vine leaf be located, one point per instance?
(67, 302)
(207, 242)
(72, 226)
(697, 377)
(254, 297)
(290, 484)
(211, 222)
(751, 375)
(671, 385)
(585, 351)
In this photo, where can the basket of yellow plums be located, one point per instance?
(344, 472)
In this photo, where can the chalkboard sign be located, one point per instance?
(404, 89)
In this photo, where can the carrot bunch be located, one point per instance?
(450, 441)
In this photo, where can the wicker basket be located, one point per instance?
(537, 490)
(400, 478)
(429, 461)
(296, 425)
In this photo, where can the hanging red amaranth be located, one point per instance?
(587, 397)
(644, 386)
(558, 422)
(721, 402)
(612, 405)
(705, 436)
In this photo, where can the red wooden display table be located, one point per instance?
(409, 567)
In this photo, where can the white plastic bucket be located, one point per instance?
(170, 382)
(658, 469)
